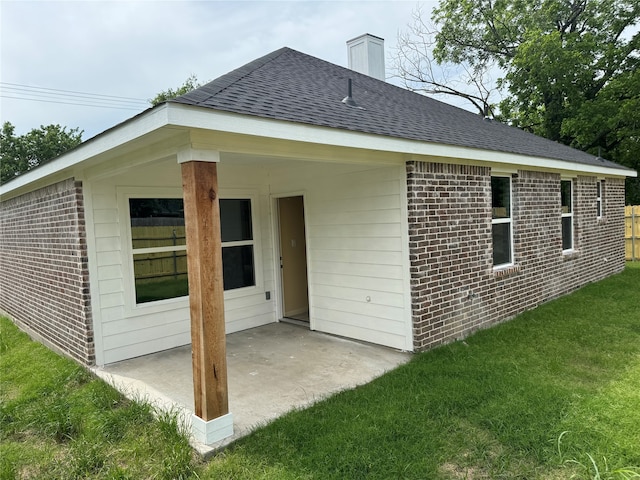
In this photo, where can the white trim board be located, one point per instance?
(190, 117)
(196, 117)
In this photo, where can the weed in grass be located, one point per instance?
(103, 396)
(177, 456)
(29, 457)
(8, 470)
(57, 419)
(7, 420)
(87, 458)
(128, 416)
(594, 470)
(118, 473)
(77, 377)
(4, 343)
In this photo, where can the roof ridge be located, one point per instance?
(223, 82)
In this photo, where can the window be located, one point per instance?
(159, 248)
(566, 194)
(501, 221)
(237, 243)
(599, 203)
(158, 242)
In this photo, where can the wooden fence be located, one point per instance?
(632, 232)
(156, 266)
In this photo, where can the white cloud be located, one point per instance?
(136, 49)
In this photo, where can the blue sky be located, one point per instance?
(136, 49)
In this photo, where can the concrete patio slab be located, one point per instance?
(271, 370)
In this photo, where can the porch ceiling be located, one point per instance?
(271, 370)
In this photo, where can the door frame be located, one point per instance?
(279, 290)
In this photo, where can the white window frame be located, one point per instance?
(568, 215)
(599, 199)
(509, 220)
(255, 227)
(131, 307)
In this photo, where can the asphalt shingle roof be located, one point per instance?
(292, 86)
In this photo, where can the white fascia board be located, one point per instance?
(173, 114)
(131, 129)
(209, 119)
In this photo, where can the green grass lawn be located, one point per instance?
(58, 421)
(553, 394)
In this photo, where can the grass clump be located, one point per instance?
(597, 471)
(57, 421)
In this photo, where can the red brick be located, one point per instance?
(44, 284)
(464, 291)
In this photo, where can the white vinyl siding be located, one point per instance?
(358, 279)
(128, 330)
(124, 336)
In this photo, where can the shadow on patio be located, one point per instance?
(271, 370)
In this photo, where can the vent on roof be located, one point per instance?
(349, 98)
(366, 55)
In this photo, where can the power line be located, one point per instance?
(72, 91)
(84, 98)
(44, 94)
(72, 103)
(19, 91)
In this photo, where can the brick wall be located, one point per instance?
(454, 288)
(44, 284)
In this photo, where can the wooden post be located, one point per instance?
(633, 233)
(206, 290)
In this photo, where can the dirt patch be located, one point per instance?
(456, 472)
(476, 462)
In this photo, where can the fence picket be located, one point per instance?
(632, 232)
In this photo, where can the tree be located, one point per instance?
(19, 154)
(419, 71)
(570, 67)
(191, 83)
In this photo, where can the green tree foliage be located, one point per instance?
(570, 67)
(20, 153)
(191, 83)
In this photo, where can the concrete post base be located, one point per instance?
(212, 431)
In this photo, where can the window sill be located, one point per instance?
(243, 292)
(505, 271)
(133, 309)
(157, 306)
(181, 303)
